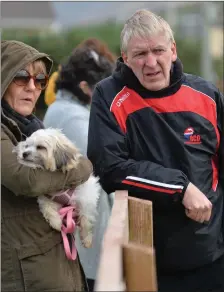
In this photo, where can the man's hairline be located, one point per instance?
(169, 41)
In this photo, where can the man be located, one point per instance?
(155, 131)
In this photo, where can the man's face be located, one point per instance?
(150, 60)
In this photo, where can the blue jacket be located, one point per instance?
(70, 115)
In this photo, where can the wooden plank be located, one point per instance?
(127, 260)
(140, 221)
(110, 271)
(139, 268)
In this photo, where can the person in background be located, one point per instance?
(99, 47)
(93, 43)
(32, 253)
(70, 112)
(157, 132)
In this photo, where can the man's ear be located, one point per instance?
(85, 88)
(125, 58)
(174, 51)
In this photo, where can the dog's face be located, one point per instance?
(49, 149)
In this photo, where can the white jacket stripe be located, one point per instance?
(139, 179)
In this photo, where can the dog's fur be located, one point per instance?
(50, 149)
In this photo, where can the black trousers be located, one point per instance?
(209, 278)
(90, 284)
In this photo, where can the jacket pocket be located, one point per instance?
(44, 267)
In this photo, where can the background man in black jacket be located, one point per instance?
(158, 132)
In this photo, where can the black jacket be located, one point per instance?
(153, 144)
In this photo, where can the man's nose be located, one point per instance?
(26, 154)
(151, 60)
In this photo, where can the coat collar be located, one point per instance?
(126, 77)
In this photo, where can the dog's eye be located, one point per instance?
(40, 147)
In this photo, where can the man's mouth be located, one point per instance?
(153, 74)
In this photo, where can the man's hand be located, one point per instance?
(197, 206)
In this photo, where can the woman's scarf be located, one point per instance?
(27, 125)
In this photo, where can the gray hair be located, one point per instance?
(143, 23)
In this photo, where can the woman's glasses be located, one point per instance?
(23, 77)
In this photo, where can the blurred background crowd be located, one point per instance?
(58, 27)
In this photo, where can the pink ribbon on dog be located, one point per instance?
(68, 227)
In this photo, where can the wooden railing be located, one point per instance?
(127, 261)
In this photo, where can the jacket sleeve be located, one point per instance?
(110, 155)
(23, 180)
(220, 123)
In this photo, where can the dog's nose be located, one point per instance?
(25, 154)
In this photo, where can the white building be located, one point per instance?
(27, 15)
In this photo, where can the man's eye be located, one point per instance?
(40, 147)
(140, 54)
(158, 50)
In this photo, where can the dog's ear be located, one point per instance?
(18, 148)
(64, 155)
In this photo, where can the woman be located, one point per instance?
(83, 69)
(75, 84)
(33, 257)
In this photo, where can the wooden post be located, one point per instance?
(139, 268)
(127, 260)
(138, 254)
(140, 221)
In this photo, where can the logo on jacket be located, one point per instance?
(190, 137)
(122, 98)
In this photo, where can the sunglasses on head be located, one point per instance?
(23, 77)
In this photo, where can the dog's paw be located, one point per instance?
(86, 232)
(87, 241)
(55, 222)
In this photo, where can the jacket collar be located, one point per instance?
(127, 78)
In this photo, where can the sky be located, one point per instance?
(72, 13)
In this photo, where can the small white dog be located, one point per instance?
(50, 149)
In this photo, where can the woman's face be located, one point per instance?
(22, 98)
